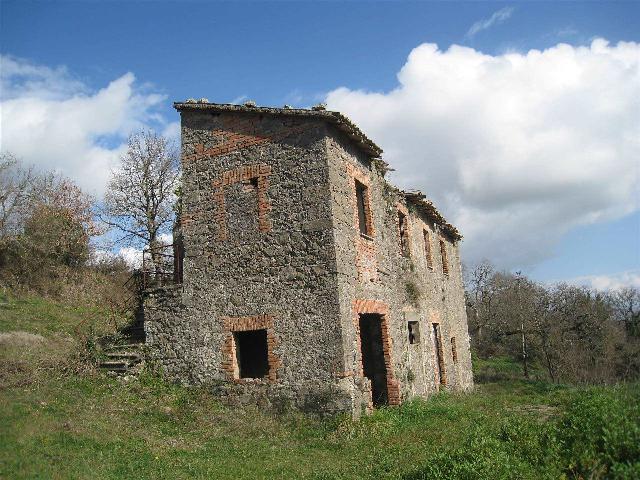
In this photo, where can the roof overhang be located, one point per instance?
(341, 122)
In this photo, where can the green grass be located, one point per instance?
(57, 425)
(45, 317)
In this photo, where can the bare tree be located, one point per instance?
(141, 193)
(577, 334)
(16, 188)
(46, 222)
(626, 305)
(479, 296)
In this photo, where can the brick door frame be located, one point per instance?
(376, 307)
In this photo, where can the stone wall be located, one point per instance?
(405, 287)
(258, 244)
(272, 242)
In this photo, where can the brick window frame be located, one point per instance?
(438, 355)
(428, 253)
(404, 236)
(257, 174)
(359, 307)
(454, 350)
(443, 256)
(366, 253)
(231, 325)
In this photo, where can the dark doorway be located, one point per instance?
(252, 353)
(373, 357)
(437, 345)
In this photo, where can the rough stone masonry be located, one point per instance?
(309, 281)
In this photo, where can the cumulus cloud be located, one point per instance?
(497, 18)
(56, 122)
(616, 281)
(133, 256)
(516, 148)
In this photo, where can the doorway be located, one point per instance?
(441, 378)
(373, 364)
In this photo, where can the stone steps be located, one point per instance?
(123, 346)
(122, 358)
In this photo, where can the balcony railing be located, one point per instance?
(162, 266)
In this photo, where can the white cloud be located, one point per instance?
(616, 281)
(132, 256)
(239, 99)
(517, 148)
(172, 132)
(56, 122)
(497, 18)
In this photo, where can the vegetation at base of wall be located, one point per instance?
(58, 423)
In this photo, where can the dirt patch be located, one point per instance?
(20, 339)
(543, 412)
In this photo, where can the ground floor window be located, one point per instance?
(252, 353)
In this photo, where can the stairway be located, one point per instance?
(122, 358)
(124, 351)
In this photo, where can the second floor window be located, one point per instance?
(362, 200)
(427, 249)
(443, 254)
(404, 233)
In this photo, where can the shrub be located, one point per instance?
(600, 434)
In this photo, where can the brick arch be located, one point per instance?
(261, 173)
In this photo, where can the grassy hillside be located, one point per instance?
(60, 421)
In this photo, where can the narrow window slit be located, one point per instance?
(364, 212)
(443, 254)
(427, 249)
(403, 227)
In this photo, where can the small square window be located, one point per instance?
(252, 353)
(414, 332)
(250, 185)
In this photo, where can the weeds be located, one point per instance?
(87, 425)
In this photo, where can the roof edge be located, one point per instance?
(336, 118)
(427, 207)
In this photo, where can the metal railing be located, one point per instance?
(162, 266)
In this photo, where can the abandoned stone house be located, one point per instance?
(307, 279)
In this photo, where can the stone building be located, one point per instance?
(308, 280)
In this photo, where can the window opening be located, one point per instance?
(437, 345)
(443, 254)
(427, 249)
(454, 350)
(414, 332)
(403, 226)
(252, 353)
(250, 185)
(362, 199)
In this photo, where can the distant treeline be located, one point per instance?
(566, 333)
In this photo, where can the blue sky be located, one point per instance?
(300, 53)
